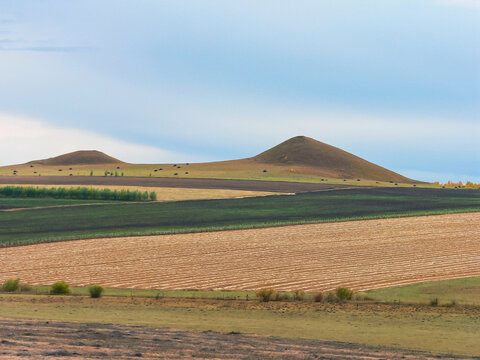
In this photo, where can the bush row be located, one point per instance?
(76, 193)
(340, 295)
(59, 288)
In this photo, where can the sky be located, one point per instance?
(396, 82)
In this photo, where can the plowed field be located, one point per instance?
(358, 254)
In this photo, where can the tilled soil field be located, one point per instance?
(63, 340)
(317, 257)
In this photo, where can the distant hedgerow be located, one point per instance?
(83, 193)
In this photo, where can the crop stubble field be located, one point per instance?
(358, 254)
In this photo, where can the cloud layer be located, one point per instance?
(396, 82)
(24, 139)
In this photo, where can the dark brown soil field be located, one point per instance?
(66, 340)
(252, 185)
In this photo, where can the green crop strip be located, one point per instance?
(123, 219)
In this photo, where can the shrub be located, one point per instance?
(344, 294)
(59, 288)
(11, 285)
(299, 295)
(25, 288)
(434, 302)
(265, 294)
(281, 297)
(96, 291)
(330, 298)
(318, 297)
(153, 196)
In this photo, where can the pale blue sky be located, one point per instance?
(396, 82)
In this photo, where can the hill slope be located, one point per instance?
(335, 162)
(83, 157)
(299, 159)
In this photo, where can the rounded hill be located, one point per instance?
(308, 152)
(82, 157)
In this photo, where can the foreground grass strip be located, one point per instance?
(447, 292)
(438, 330)
(210, 215)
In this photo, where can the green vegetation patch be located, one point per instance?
(25, 203)
(75, 193)
(124, 219)
(447, 292)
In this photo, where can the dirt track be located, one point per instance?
(252, 185)
(358, 254)
(64, 340)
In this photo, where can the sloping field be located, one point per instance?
(230, 184)
(358, 254)
(169, 194)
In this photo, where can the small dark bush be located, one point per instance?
(299, 295)
(60, 288)
(330, 298)
(96, 291)
(434, 302)
(318, 297)
(265, 294)
(25, 288)
(344, 294)
(11, 285)
(282, 297)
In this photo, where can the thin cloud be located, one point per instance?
(24, 139)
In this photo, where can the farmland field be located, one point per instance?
(164, 193)
(40, 339)
(27, 203)
(121, 219)
(357, 254)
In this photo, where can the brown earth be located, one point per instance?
(65, 340)
(247, 185)
(315, 257)
(81, 157)
(332, 161)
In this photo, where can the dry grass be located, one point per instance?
(170, 194)
(357, 254)
(235, 169)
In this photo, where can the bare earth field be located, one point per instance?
(65, 340)
(358, 254)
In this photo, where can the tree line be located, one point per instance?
(76, 193)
